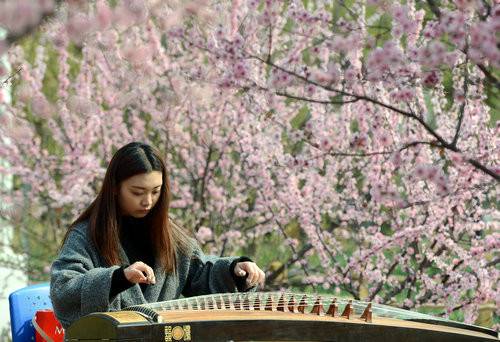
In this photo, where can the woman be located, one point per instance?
(123, 250)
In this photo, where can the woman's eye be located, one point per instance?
(139, 194)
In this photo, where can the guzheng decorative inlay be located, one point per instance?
(270, 316)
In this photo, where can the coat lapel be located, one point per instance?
(153, 292)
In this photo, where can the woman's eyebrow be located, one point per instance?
(142, 188)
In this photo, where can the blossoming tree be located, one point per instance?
(357, 140)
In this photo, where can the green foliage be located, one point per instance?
(39, 243)
(289, 25)
(75, 54)
(252, 196)
(294, 231)
(386, 228)
(448, 88)
(268, 250)
(164, 41)
(50, 83)
(493, 101)
(29, 46)
(339, 10)
(301, 118)
(381, 29)
(306, 57)
(327, 222)
(430, 117)
(354, 126)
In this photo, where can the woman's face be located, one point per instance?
(139, 194)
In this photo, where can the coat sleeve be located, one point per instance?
(77, 287)
(208, 274)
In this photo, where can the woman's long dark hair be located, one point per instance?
(167, 237)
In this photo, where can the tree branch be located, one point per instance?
(462, 107)
(203, 185)
(11, 76)
(493, 262)
(441, 197)
(434, 8)
(381, 284)
(410, 115)
(270, 42)
(413, 277)
(489, 76)
(359, 97)
(483, 168)
(305, 99)
(271, 277)
(299, 255)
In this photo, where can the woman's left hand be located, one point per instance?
(255, 275)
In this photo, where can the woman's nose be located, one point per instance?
(147, 201)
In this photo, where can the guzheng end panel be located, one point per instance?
(110, 326)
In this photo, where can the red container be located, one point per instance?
(47, 327)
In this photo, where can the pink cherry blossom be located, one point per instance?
(336, 150)
(204, 234)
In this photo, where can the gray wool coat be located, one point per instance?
(80, 280)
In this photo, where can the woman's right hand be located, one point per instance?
(139, 272)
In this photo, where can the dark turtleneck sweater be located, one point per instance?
(137, 244)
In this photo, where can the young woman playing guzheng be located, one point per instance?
(124, 250)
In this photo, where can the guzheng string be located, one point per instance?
(282, 301)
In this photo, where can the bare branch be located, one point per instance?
(489, 76)
(483, 168)
(434, 8)
(367, 154)
(11, 76)
(462, 107)
(270, 42)
(305, 99)
(381, 284)
(493, 262)
(291, 261)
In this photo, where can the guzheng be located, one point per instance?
(271, 316)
